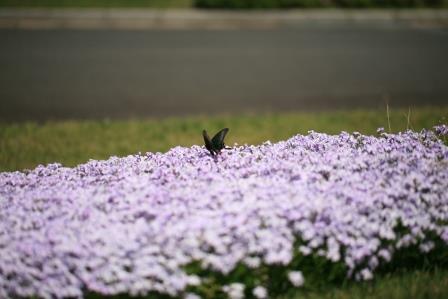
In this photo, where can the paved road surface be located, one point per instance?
(58, 74)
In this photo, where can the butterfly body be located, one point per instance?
(216, 144)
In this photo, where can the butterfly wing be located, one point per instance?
(208, 143)
(218, 139)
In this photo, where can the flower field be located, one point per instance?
(252, 222)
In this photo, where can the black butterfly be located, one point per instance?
(215, 145)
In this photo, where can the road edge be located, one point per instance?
(116, 18)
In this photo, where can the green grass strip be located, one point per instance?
(417, 284)
(98, 3)
(25, 145)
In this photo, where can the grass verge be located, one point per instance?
(98, 3)
(25, 145)
(416, 284)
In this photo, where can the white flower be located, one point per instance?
(385, 254)
(193, 280)
(366, 274)
(305, 250)
(234, 290)
(260, 292)
(192, 296)
(296, 278)
(426, 247)
(252, 262)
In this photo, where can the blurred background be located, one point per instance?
(121, 59)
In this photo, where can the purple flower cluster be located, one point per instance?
(130, 225)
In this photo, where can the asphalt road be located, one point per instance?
(60, 74)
